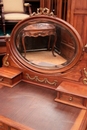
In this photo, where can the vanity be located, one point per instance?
(43, 80)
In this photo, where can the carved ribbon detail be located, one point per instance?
(45, 80)
(42, 11)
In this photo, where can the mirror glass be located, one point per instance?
(45, 44)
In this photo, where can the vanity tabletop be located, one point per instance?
(35, 107)
(39, 26)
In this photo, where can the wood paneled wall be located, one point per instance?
(72, 11)
(78, 17)
(54, 6)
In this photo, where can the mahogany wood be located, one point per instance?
(54, 6)
(77, 17)
(72, 11)
(45, 3)
(34, 107)
(73, 94)
(10, 76)
(8, 124)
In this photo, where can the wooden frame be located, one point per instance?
(79, 46)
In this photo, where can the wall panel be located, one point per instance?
(78, 17)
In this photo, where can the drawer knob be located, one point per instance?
(1, 79)
(70, 98)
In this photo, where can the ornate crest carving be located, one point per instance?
(42, 11)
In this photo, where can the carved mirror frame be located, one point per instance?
(44, 16)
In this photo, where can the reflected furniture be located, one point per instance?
(40, 29)
(14, 11)
(44, 97)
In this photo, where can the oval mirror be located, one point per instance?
(46, 44)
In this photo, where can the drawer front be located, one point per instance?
(5, 80)
(71, 98)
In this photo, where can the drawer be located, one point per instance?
(10, 76)
(71, 99)
(10, 81)
(5, 80)
(72, 93)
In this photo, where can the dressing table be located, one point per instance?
(48, 93)
(40, 29)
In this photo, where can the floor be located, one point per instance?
(45, 58)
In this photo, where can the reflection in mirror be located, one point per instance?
(46, 44)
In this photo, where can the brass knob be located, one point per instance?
(70, 98)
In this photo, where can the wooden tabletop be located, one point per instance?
(35, 107)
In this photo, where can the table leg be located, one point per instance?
(49, 43)
(55, 39)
